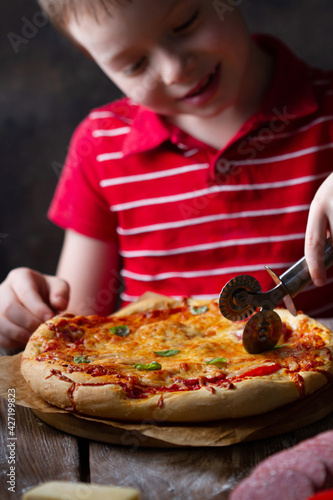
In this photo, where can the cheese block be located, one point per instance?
(63, 490)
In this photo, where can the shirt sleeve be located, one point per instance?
(78, 202)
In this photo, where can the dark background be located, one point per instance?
(47, 87)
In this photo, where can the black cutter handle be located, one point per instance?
(297, 277)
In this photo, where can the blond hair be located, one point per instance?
(59, 11)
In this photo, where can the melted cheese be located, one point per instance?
(111, 358)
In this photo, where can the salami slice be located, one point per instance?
(276, 485)
(293, 474)
(296, 460)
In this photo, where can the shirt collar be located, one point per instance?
(148, 131)
(290, 90)
(288, 97)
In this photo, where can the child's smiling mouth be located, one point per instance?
(205, 89)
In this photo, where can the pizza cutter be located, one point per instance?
(242, 296)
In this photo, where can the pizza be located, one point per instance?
(164, 360)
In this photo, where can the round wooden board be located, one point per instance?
(98, 431)
(304, 412)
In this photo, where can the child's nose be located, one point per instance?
(176, 68)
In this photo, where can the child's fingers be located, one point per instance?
(41, 295)
(58, 290)
(16, 314)
(320, 220)
(27, 299)
(315, 239)
(12, 335)
(30, 297)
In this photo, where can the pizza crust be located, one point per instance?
(150, 301)
(249, 397)
(253, 396)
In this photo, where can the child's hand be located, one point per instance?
(27, 299)
(320, 220)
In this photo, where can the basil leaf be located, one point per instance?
(150, 366)
(120, 330)
(81, 359)
(216, 361)
(198, 310)
(167, 352)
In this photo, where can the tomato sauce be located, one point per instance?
(260, 371)
(69, 335)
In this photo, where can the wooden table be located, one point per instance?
(43, 454)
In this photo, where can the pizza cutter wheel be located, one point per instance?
(233, 301)
(262, 331)
(242, 295)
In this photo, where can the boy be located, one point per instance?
(206, 171)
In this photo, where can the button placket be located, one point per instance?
(222, 169)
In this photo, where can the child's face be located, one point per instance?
(173, 57)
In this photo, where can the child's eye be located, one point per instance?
(187, 24)
(134, 68)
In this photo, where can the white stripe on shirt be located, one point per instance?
(110, 156)
(191, 152)
(210, 246)
(111, 132)
(299, 130)
(211, 218)
(153, 175)
(95, 115)
(215, 189)
(287, 156)
(132, 298)
(199, 274)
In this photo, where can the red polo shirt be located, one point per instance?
(189, 217)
